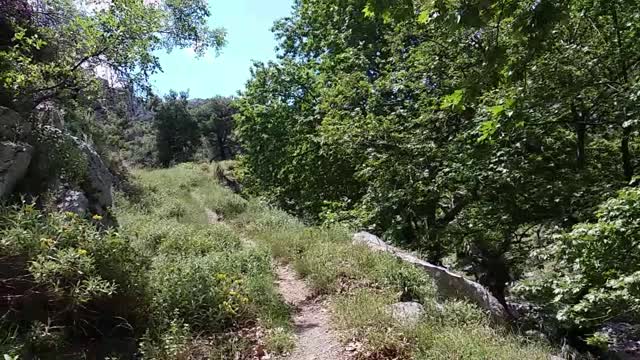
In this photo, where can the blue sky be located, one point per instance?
(248, 38)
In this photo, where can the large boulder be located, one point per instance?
(623, 340)
(97, 181)
(98, 184)
(12, 126)
(92, 195)
(73, 201)
(14, 162)
(448, 284)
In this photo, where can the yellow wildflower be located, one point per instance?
(221, 276)
(96, 217)
(47, 242)
(81, 252)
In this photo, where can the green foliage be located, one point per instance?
(452, 331)
(163, 277)
(599, 340)
(51, 49)
(73, 269)
(360, 284)
(177, 133)
(215, 118)
(202, 292)
(59, 155)
(173, 342)
(216, 283)
(465, 130)
(594, 274)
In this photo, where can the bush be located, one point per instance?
(202, 277)
(594, 270)
(208, 292)
(63, 272)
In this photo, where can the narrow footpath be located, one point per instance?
(314, 338)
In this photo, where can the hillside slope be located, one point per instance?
(195, 271)
(355, 283)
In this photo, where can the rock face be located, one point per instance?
(73, 201)
(624, 340)
(93, 195)
(99, 181)
(14, 162)
(448, 284)
(407, 313)
(12, 126)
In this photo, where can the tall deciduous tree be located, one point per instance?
(215, 117)
(177, 133)
(463, 129)
(56, 51)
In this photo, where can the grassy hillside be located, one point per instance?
(358, 283)
(190, 274)
(212, 294)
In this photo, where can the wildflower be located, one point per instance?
(96, 217)
(46, 242)
(221, 276)
(81, 252)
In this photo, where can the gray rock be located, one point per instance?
(448, 284)
(73, 201)
(407, 313)
(14, 162)
(12, 126)
(49, 112)
(99, 181)
(624, 340)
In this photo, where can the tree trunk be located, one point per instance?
(626, 153)
(221, 146)
(581, 134)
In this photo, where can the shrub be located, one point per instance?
(167, 343)
(594, 270)
(63, 272)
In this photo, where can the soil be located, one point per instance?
(315, 339)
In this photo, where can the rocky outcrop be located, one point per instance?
(623, 340)
(448, 284)
(98, 182)
(73, 201)
(14, 162)
(12, 126)
(30, 166)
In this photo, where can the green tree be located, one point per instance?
(215, 117)
(177, 133)
(595, 272)
(463, 129)
(56, 51)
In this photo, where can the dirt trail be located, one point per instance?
(315, 340)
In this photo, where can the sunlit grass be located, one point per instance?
(360, 284)
(201, 274)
